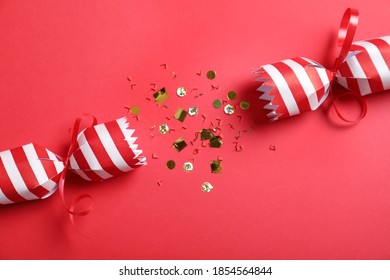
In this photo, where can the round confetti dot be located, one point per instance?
(134, 110)
(181, 92)
(193, 111)
(217, 103)
(171, 164)
(164, 128)
(232, 95)
(188, 167)
(244, 105)
(206, 187)
(229, 109)
(211, 74)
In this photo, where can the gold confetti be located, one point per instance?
(232, 95)
(164, 128)
(211, 74)
(244, 105)
(179, 144)
(188, 167)
(193, 111)
(134, 110)
(180, 114)
(181, 92)
(216, 166)
(206, 134)
(229, 109)
(207, 187)
(161, 96)
(217, 103)
(171, 164)
(216, 142)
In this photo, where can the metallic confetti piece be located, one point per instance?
(193, 111)
(181, 92)
(184, 127)
(214, 87)
(272, 147)
(171, 164)
(159, 183)
(129, 79)
(179, 144)
(132, 86)
(199, 73)
(154, 156)
(152, 135)
(188, 166)
(207, 187)
(134, 110)
(232, 95)
(211, 74)
(228, 109)
(204, 118)
(164, 65)
(161, 96)
(196, 151)
(216, 142)
(152, 127)
(180, 114)
(206, 134)
(163, 128)
(174, 74)
(244, 105)
(193, 89)
(216, 166)
(217, 103)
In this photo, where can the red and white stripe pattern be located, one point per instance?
(106, 150)
(366, 68)
(293, 86)
(27, 173)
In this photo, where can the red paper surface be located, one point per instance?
(322, 194)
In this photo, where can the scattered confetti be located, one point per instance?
(217, 103)
(199, 73)
(174, 74)
(132, 86)
(272, 147)
(214, 87)
(207, 187)
(211, 74)
(159, 183)
(206, 134)
(161, 96)
(216, 166)
(163, 128)
(193, 111)
(164, 65)
(181, 92)
(228, 109)
(244, 105)
(171, 164)
(180, 114)
(154, 156)
(216, 142)
(188, 166)
(179, 144)
(134, 110)
(232, 95)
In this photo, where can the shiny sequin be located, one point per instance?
(179, 144)
(181, 92)
(228, 109)
(188, 167)
(244, 105)
(171, 164)
(207, 187)
(217, 103)
(180, 114)
(211, 74)
(193, 111)
(216, 166)
(161, 96)
(134, 110)
(164, 128)
(216, 142)
(232, 95)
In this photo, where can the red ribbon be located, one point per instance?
(73, 144)
(345, 38)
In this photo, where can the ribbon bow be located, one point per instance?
(297, 85)
(96, 153)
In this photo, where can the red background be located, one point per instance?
(322, 194)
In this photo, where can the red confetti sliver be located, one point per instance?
(272, 147)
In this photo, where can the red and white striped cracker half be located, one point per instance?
(28, 172)
(293, 86)
(106, 150)
(366, 68)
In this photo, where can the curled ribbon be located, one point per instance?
(297, 85)
(96, 153)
